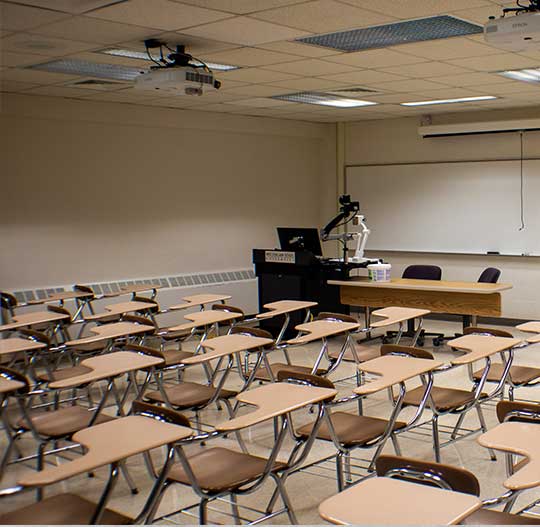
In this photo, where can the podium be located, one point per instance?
(298, 275)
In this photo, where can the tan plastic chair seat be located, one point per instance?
(64, 373)
(63, 509)
(491, 517)
(351, 429)
(262, 373)
(188, 394)
(518, 374)
(62, 422)
(220, 469)
(175, 335)
(364, 354)
(444, 398)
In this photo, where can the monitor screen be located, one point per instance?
(300, 239)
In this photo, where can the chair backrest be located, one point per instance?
(325, 315)
(423, 272)
(160, 413)
(490, 275)
(7, 300)
(525, 412)
(83, 289)
(13, 375)
(428, 473)
(295, 377)
(409, 351)
(154, 305)
(228, 309)
(254, 332)
(475, 330)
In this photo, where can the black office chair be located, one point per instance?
(490, 275)
(418, 272)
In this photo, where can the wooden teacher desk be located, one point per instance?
(439, 296)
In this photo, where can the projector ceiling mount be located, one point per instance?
(533, 7)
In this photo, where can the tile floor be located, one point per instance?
(306, 489)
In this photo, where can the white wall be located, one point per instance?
(396, 141)
(100, 191)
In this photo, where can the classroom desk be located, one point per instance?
(31, 319)
(134, 289)
(522, 439)
(439, 296)
(200, 300)
(386, 501)
(121, 308)
(19, 345)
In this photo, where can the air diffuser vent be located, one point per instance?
(431, 28)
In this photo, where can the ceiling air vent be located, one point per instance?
(431, 28)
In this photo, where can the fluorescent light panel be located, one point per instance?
(323, 99)
(142, 55)
(421, 29)
(450, 101)
(89, 69)
(528, 75)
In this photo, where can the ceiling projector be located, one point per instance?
(519, 32)
(178, 72)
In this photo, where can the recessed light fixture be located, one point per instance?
(89, 69)
(418, 30)
(450, 101)
(528, 75)
(142, 55)
(324, 99)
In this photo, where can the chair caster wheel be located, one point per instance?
(420, 343)
(134, 491)
(437, 342)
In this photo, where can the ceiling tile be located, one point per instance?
(69, 6)
(35, 76)
(299, 48)
(496, 62)
(88, 29)
(217, 107)
(448, 48)
(412, 85)
(261, 102)
(323, 16)
(10, 59)
(14, 17)
(426, 69)
(311, 67)
(161, 14)
(258, 90)
(15, 86)
(510, 88)
(241, 7)
(470, 79)
(308, 84)
(41, 45)
(375, 58)
(255, 75)
(445, 93)
(364, 77)
(60, 91)
(249, 57)
(479, 15)
(245, 31)
(92, 56)
(416, 8)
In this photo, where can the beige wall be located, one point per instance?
(100, 191)
(396, 141)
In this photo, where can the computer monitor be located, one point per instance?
(300, 239)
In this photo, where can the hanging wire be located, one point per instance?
(522, 204)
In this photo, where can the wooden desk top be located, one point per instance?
(386, 501)
(394, 315)
(319, 329)
(225, 345)
(522, 439)
(275, 399)
(282, 307)
(200, 300)
(393, 369)
(478, 347)
(30, 319)
(130, 289)
(425, 285)
(112, 331)
(121, 309)
(9, 385)
(110, 442)
(531, 327)
(205, 318)
(105, 366)
(17, 344)
(60, 297)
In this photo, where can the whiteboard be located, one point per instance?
(465, 207)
